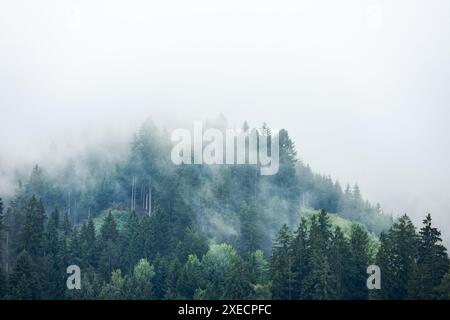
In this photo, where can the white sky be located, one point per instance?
(362, 86)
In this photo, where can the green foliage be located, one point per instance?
(211, 233)
(396, 256)
(431, 264)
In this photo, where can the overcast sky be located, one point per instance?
(362, 86)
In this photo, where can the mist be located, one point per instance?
(361, 86)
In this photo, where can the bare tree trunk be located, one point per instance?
(150, 195)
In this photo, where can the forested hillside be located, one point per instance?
(140, 227)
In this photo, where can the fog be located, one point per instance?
(361, 86)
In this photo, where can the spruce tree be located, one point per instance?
(318, 283)
(33, 238)
(53, 271)
(281, 266)
(431, 265)
(23, 279)
(131, 244)
(339, 263)
(89, 243)
(359, 260)
(396, 257)
(299, 258)
(109, 259)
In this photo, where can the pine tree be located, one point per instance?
(75, 249)
(299, 258)
(238, 281)
(190, 277)
(23, 281)
(443, 290)
(109, 259)
(431, 265)
(318, 283)
(259, 276)
(33, 238)
(53, 272)
(281, 266)
(66, 225)
(251, 235)
(131, 244)
(396, 256)
(339, 263)
(89, 244)
(358, 262)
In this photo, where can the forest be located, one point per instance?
(140, 227)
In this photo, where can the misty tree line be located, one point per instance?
(210, 196)
(195, 231)
(142, 261)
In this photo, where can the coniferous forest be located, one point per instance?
(140, 227)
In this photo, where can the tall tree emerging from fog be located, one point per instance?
(431, 265)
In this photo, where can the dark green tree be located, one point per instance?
(339, 263)
(281, 266)
(299, 258)
(319, 282)
(432, 263)
(396, 257)
(109, 258)
(23, 279)
(359, 260)
(33, 237)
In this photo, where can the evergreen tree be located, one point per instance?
(250, 235)
(319, 281)
(115, 289)
(130, 242)
(33, 238)
(75, 249)
(431, 265)
(443, 290)
(396, 256)
(359, 260)
(299, 258)
(53, 272)
(109, 259)
(238, 284)
(281, 266)
(140, 286)
(339, 263)
(190, 278)
(23, 279)
(89, 243)
(66, 226)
